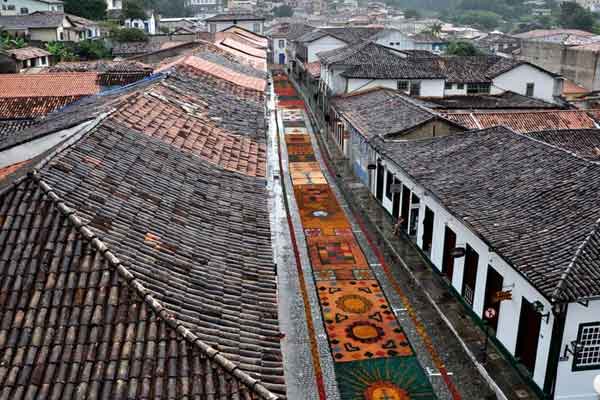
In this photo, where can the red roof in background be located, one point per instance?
(244, 48)
(44, 85)
(32, 107)
(227, 74)
(255, 62)
(525, 121)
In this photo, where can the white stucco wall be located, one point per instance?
(576, 385)
(396, 40)
(516, 80)
(249, 25)
(325, 43)
(509, 314)
(429, 87)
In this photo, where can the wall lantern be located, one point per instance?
(597, 384)
(458, 252)
(538, 306)
(573, 349)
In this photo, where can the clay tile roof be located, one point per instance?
(27, 53)
(44, 85)
(253, 37)
(382, 112)
(584, 143)
(536, 205)
(244, 48)
(227, 74)
(525, 121)
(32, 107)
(168, 306)
(9, 128)
(255, 62)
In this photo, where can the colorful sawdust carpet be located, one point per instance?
(373, 357)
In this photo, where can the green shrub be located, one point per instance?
(128, 35)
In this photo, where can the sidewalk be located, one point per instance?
(454, 333)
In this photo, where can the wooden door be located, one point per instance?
(379, 188)
(428, 230)
(493, 285)
(530, 322)
(470, 275)
(405, 206)
(396, 202)
(448, 260)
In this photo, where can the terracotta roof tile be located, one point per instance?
(32, 107)
(255, 62)
(244, 48)
(27, 53)
(44, 85)
(525, 121)
(225, 73)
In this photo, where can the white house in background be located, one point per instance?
(368, 64)
(114, 8)
(307, 46)
(50, 27)
(281, 35)
(220, 22)
(24, 7)
(510, 240)
(21, 60)
(149, 25)
(419, 73)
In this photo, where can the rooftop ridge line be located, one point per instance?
(560, 287)
(156, 306)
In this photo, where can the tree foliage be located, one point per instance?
(60, 51)
(134, 9)
(90, 9)
(171, 8)
(8, 42)
(283, 11)
(462, 49)
(573, 16)
(487, 20)
(128, 35)
(92, 50)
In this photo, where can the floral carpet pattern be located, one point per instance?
(373, 357)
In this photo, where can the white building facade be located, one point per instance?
(548, 345)
(24, 7)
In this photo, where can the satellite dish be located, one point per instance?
(597, 384)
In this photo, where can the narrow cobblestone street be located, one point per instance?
(367, 338)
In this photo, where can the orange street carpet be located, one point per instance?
(373, 357)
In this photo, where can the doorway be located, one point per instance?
(281, 58)
(447, 259)
(470, 275)
(530, 322)
(405, 206)
(493, 285)
(396, 202)
(428, 230)
(379, 187)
